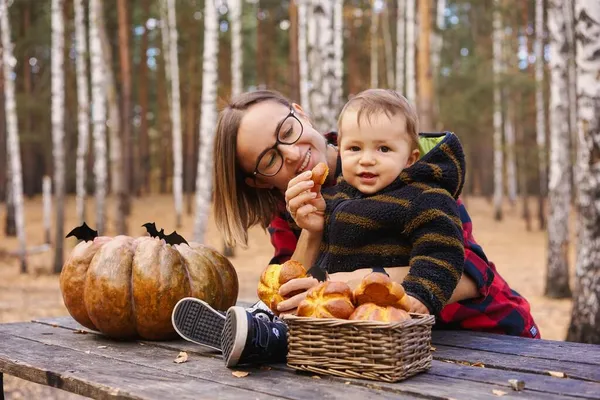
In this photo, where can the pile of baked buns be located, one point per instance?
(376, 298)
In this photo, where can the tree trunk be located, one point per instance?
(83, 108)
(293, 54)
(126, 101)
(511, 161)
(400, 45)
(172, 66)
(585, 317)
(540, 110)
(559, 194)
(58, 127)
(47, 205)
(27, 147)
(374, 28)
(208, 120)
(4, 182)
(387, 45)
(437, 45)
(572, 101)
(338, 58)
(190, 124)
(498, 153)
(143, 172)
(410, 52)
(303, 53)
(114, 124)
(98, 114)
(424, 70)
(16, 176)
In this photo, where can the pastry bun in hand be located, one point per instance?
(373, 312)
(328, 299)
(379, 289)
(273, 277)
(319, 174)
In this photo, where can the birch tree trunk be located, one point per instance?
(400, 45)
(411, 80)
(425, 107)
(374, 45)
(235, 15)
(126, 101)
(143, 184)
(540, 116)
(114, 122)
(47, 206)
(98, 115)
(585, 317)
(83, 109)
(293, 53)
(572, 86)
(498, 154)
(302, 52)
(170, 38)
(13, 148)
(387, 45)
(338, 43)
(322, 65)
(58, 127)
(207, 121)
(559, 190)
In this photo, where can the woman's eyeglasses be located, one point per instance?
(289, 131)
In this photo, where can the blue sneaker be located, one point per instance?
(250, 339)
(196, 321)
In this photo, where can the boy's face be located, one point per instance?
(374, 153)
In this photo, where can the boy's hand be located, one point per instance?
(305, 205)
(416, 306)
(295, 285)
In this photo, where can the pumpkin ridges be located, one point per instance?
(107, 289)
(205, 282)
(159, 282)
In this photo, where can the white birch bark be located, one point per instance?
(338, 42)
(585, 317)
(235, 15)
(175, 108)
(303, 53)
(572, 82)
(322, 65)
(13, 147)
(498, 153)
(387, 45)
(58, 126)
(98, 117)
(511, 162)
(83, 108)
(47, 205)
(374, 46)
(208, 120)
(540, 115)
(559, 190)
(400, 45)
(411, 79)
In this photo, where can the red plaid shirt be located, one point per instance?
(498, 309)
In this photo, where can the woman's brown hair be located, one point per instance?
(237, 205)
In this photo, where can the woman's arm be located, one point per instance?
(307, 248)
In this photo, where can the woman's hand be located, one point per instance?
(301, 285)
(305, 206)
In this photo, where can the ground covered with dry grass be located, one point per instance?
(520, 257)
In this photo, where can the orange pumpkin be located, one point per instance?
(127, 287)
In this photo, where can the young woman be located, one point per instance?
(263, 141)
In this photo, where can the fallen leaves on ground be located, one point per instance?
(80, 331)
(240, 374)
(181, 358)
(498, 392)
(478, 364)
(517, 384)
(102, 347)
(557, 374)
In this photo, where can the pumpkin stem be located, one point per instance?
(83, 232)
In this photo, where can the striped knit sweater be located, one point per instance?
(414, 221)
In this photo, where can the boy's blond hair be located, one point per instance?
(374, 101)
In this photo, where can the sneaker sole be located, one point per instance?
(234, 337)
(196, 321)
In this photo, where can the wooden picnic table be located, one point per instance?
(60, 353)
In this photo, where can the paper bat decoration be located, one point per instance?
(83, 232)
(172, 238)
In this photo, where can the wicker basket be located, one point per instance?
(380, 351)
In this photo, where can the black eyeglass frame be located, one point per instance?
(278, 142)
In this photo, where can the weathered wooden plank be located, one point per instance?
(534, 382)
(517, 363)
(548, 349)
(283, 385)
(101, 378)
(499, 382)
